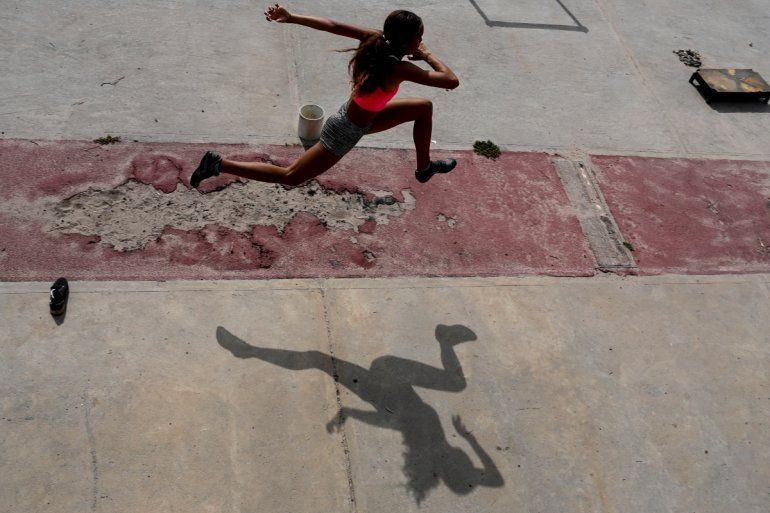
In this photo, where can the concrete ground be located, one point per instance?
(187, 71)
(443, 371)
(505, 394)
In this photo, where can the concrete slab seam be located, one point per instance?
(235, 491)
(338, 398)
(101, 287)
(92, 448)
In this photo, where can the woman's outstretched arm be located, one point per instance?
(282, 15)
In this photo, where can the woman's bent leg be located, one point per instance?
(404, 110)
(423, 126)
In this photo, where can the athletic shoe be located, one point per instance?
(208, 167)
(60, 291)
(435, 166)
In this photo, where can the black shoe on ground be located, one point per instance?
(60, 292)
(435, 166)
(208, 167)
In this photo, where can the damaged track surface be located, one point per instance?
(132, 215)
(690, 216)
(127, 212)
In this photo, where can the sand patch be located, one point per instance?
(134, 214)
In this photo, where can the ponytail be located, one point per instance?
(370, 64)
(377, 54)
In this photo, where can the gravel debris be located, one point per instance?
(690, 57)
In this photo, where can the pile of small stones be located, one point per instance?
(689, 57)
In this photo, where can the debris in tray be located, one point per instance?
(689, 57)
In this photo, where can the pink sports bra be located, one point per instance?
(375, 101)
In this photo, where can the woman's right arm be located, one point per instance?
(441, 76)
(282, 15)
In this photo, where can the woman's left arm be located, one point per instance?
(281, 15)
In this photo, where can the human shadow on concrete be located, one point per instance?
(388, 385)
(577, 27)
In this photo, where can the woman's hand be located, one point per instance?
(277, 13)
(335, 425)
(421, 54)
(460, 427)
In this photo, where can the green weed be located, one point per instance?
(107, 140)
(487, 149)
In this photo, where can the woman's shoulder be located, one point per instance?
(401, 72)
(403, 68)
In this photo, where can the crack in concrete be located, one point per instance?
(133, 214)
(91, 448)
(338, 399)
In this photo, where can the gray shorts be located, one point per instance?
(339, 134)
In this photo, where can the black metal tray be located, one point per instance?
(731, 84)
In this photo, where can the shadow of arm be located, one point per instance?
(373, 417)
(489, 475)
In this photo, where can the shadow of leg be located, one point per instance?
(286, 358)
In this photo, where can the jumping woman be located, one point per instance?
(377, 70)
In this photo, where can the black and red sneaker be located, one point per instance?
(60, 291)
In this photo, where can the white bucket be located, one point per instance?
(311, 120)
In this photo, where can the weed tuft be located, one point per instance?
(107, 140)
(487, 149)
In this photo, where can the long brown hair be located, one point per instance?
(377, 54)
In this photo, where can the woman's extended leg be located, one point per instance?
(404, 110)
(312, 163)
